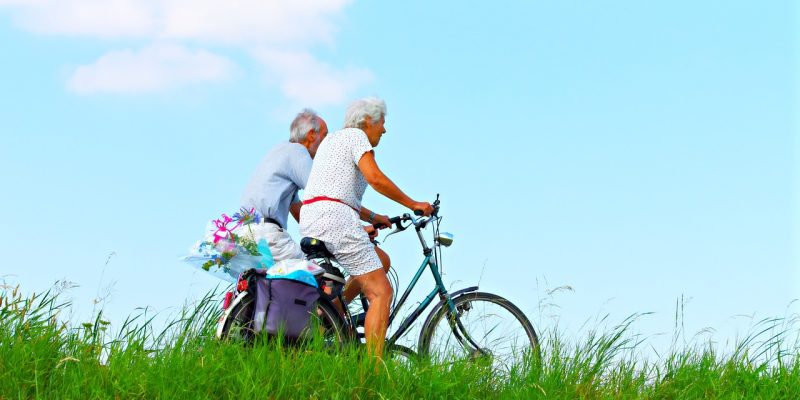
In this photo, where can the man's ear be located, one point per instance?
(311, 136)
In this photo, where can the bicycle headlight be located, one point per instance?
(445, 239)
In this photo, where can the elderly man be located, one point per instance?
(273, 188)
(332, 210)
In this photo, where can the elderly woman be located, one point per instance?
(332, 211)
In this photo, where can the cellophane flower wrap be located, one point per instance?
(226, 254)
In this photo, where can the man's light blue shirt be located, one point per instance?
(275, 183)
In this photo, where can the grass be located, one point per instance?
(43, 357)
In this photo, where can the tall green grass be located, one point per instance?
(44, 357)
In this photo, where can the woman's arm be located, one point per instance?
(371, 217)
(366, 214)
(383, 185)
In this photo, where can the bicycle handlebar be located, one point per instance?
(394, 220)
(435, 206)
(417, 222)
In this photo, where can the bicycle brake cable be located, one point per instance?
(438, 248)
(396, 230)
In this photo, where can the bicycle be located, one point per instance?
(463, 324)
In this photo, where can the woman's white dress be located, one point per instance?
(335, 174)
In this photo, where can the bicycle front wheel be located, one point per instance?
(484, 326)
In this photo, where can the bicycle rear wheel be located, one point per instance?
(325, 325)
(484, 327)
(238, 326)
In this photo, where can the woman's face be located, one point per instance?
(375, 130)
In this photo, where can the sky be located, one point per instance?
(643, 155)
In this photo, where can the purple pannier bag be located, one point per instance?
(284, 305)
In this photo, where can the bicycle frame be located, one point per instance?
(440, 289)
(431, 261)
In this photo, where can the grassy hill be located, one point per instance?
(42, 357)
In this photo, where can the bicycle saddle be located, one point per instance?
(314, 248)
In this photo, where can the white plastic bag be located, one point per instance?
(228, 272)
(286, 267)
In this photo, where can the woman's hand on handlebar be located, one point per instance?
(381, 222)
(422, 208)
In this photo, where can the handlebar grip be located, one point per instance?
(418, 212)
(392, 221)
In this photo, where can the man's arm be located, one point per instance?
(294, 209)
(301, 169)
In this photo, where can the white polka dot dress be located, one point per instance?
(335, 174)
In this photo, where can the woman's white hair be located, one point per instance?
(359, 110)
(305, 121)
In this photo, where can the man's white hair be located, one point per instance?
(359, 110)
(305, 121)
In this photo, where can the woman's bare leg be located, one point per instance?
(353, 288)
(375, 285)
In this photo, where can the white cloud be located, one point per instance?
(94, 18)
(21, 2)
(309, 81)
(258, 26)
(249, 22)
(152, 69)
(240, 22)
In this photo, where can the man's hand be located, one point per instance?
(424, 206)
(382, 221)
(371, 231)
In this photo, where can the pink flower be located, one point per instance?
(223, 232)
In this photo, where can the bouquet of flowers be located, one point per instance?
(226, 254)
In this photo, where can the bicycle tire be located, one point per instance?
(401, 354)
(238, 325)
(328, 325)
(501, 330)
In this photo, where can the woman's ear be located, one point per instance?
(367, 122)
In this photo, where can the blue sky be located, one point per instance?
(638, 153)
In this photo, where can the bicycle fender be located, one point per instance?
(439, 306)
(227, 313)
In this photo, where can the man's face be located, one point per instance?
(323, 131)
(375, 130)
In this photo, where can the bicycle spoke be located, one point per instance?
(501, 332)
